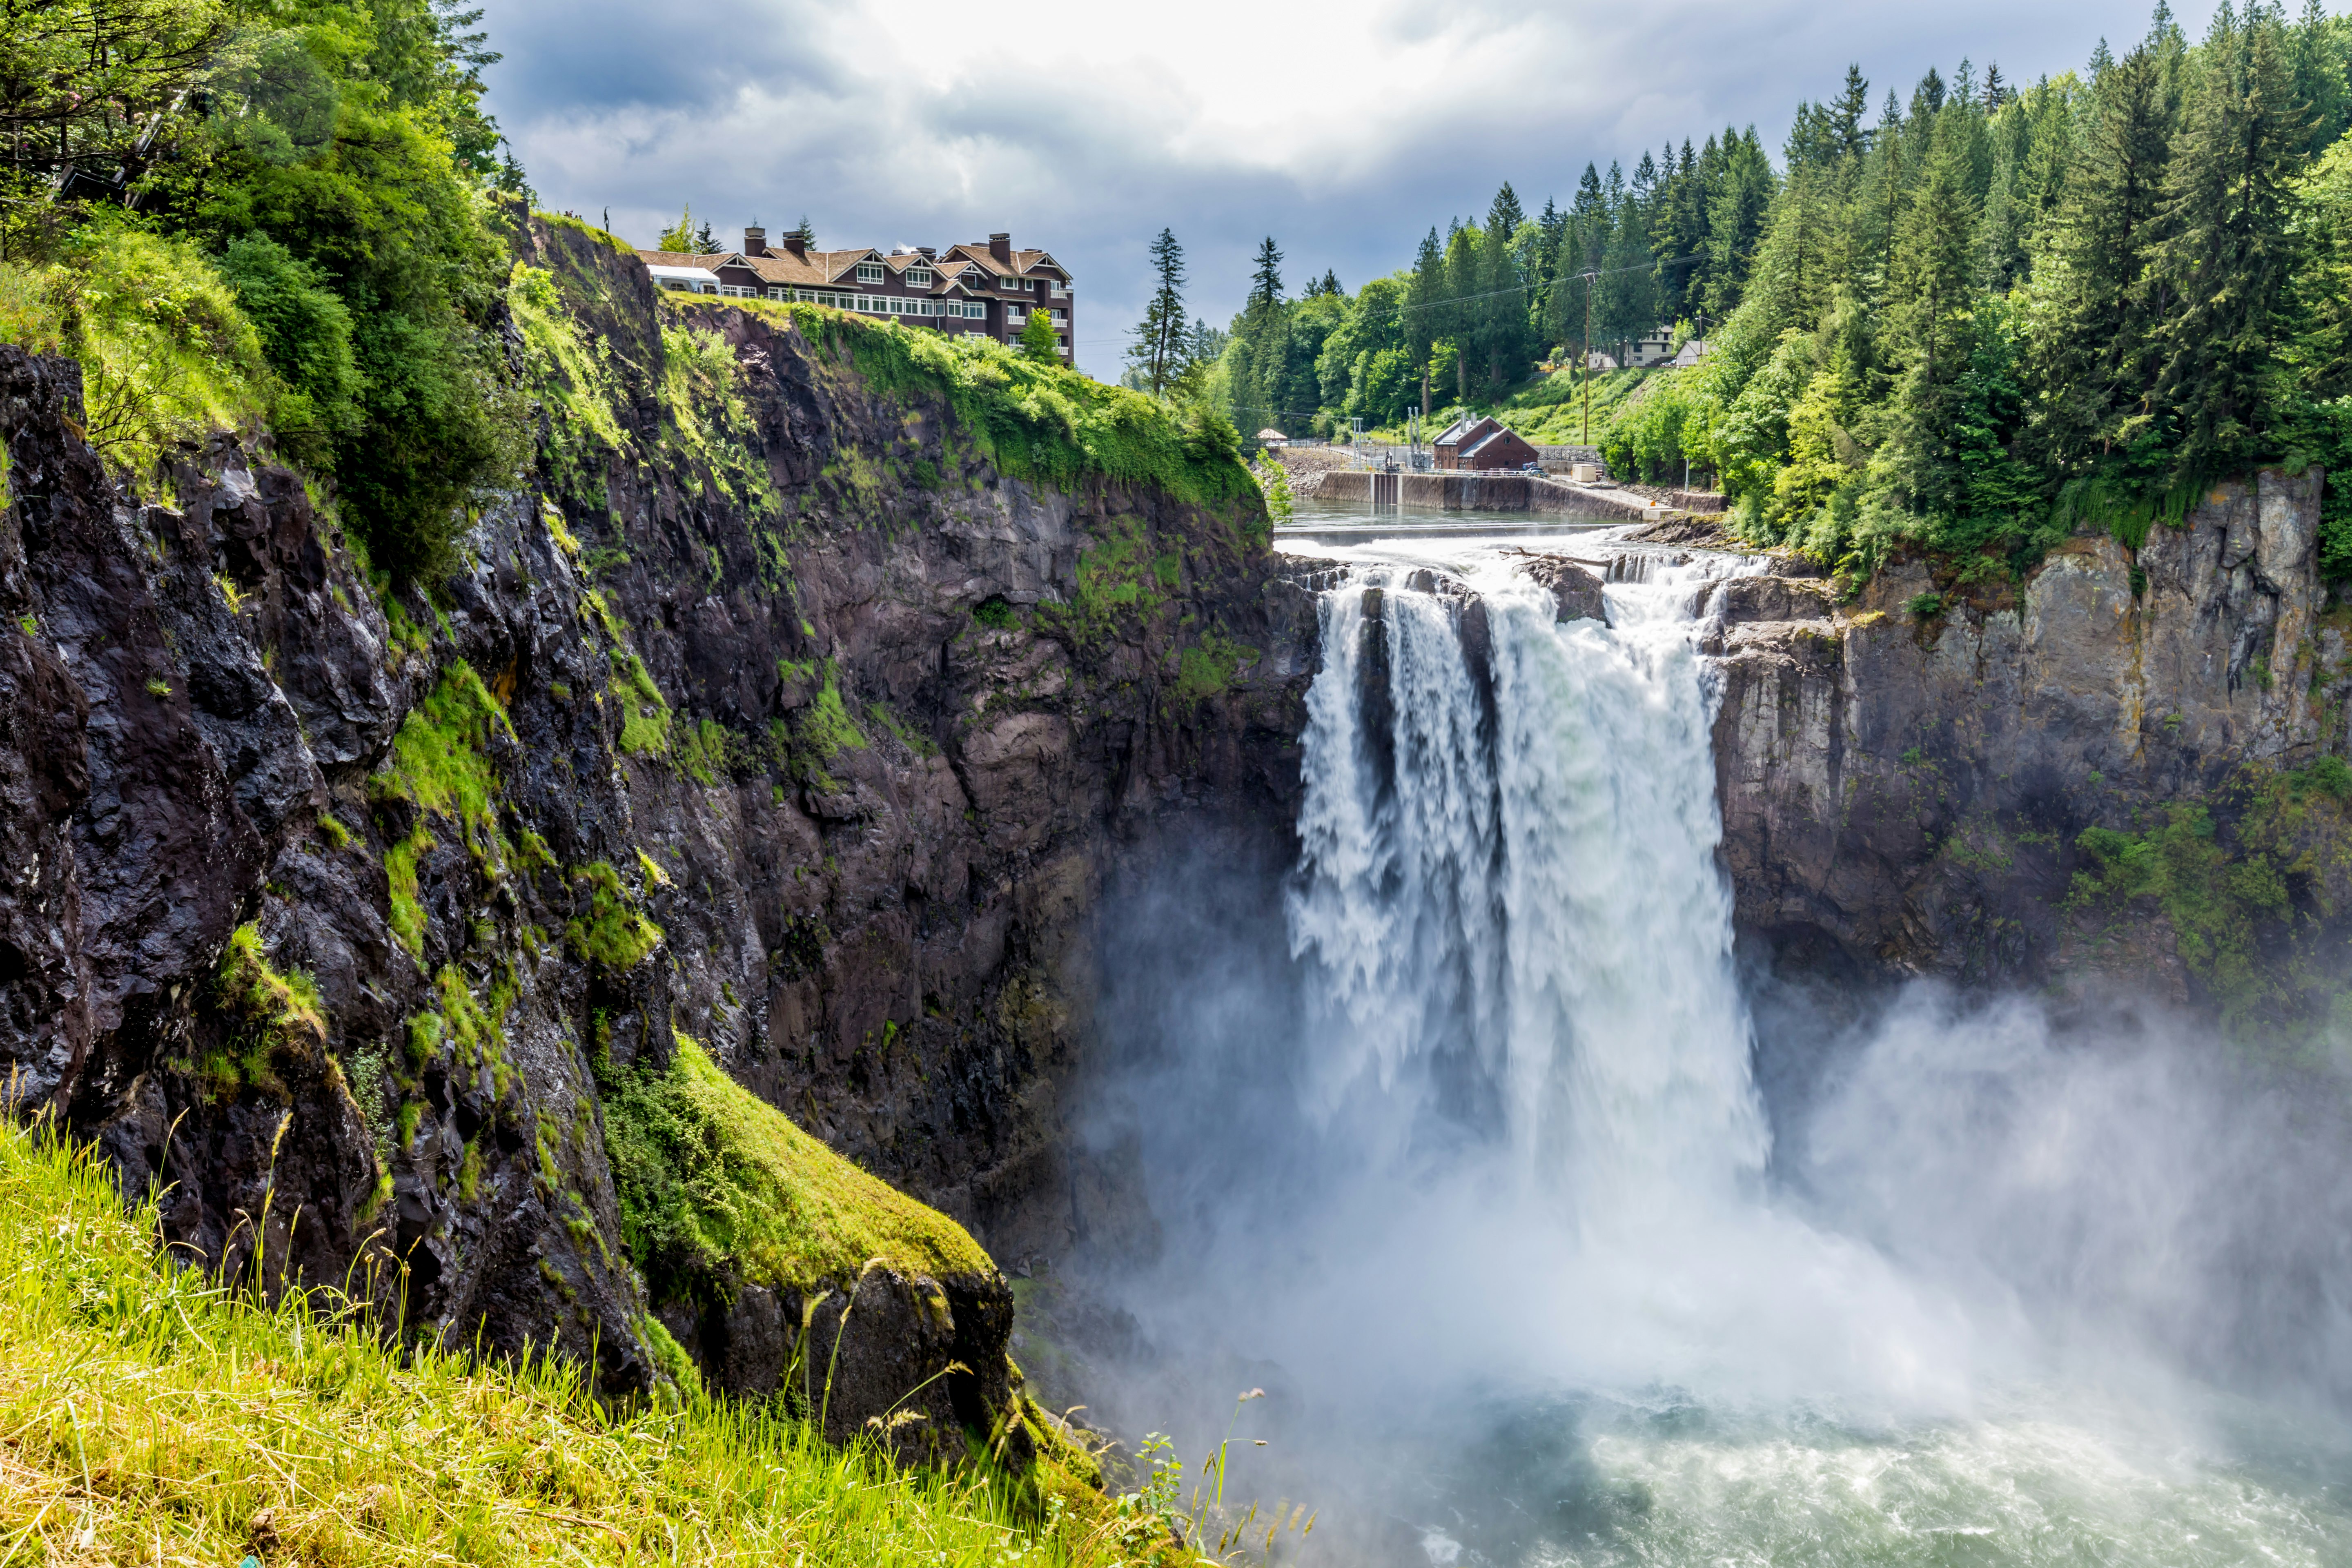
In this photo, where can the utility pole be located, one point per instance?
(1588, 276)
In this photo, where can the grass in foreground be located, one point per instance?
(148, 1417)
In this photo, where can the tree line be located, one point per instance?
(1476, 310)
(1975, 319)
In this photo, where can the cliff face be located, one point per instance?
(370, 923)
(1910, 793)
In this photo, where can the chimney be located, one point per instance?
(1000, 246)
(928, 253)
(755, 241)
(797, 243)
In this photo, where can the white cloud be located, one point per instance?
(1345, 131)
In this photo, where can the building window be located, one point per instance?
(919, 277)
(975, 309)
(738, 291)
(1015, 316)
(1011, 283)
(1061, 318)
(1060, 290)
(870, 271)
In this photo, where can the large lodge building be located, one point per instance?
(989, 288)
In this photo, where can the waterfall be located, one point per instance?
(1508, 902)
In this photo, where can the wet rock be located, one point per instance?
(1573, 587)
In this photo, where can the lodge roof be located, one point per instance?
(1462, 429)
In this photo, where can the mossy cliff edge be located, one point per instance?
(605, 946)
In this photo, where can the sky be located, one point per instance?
(1344, 133)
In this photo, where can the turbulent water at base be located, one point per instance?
(1499, 1217)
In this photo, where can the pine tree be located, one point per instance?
(1424, 310)
(1931, 335)
(1845, 115)
(1265, 275)
(2225, 252)
(1735, 221)
(2090, 338)
(1159, 341)
(1463, 275)
(1505, 215)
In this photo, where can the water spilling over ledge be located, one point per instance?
(1480, 1180)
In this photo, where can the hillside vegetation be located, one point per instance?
(1971, 323)
(154, 1416)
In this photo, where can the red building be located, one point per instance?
(1479, 443)
(986, 289)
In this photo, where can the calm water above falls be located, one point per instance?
(1534, 1273)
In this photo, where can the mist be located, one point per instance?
(1556, 1225)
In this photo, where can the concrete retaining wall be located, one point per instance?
(1487, 493)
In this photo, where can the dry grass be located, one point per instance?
(148, 1417)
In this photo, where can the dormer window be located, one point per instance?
(870, 271)
(919, 277)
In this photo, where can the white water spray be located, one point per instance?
(1526, 1195)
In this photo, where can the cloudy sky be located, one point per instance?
(1342, 131)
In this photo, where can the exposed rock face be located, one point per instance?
(1909, 791)
(1573, 587)
(752, 771)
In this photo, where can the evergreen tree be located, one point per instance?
(1846, 113)
(1463, 275)
(2090, 338)
(1735, 221)
(1424, 311)
(1505, 215)
(1931, 334)
(2225, 252)
(1265, 275)
(1158, 349)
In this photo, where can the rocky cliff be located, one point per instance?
(769, 755)
(1907, 779)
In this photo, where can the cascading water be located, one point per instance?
(1484, 1190)
(1521, 870)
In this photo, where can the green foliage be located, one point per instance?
(199, 1407)
(568, 372)
(996, 613)
(167, 354)
(718, 1189)
(645, 712)
(1038, 344)
(306, 335)
(2242, 879)
(270, 1021)
(613, 933)
(1042, 422)
(1206, 667)
(440, 764)
(1274, 481)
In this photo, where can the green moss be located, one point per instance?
(914, 740)
(270, 1021)
(996, 613)
(670, 1357)
(823, 729)
(441, 766)
(708, 751)
(718, 1187)
(613, 933)
(336, 835)
(2242, 879)
(1206, 668)
(645, 714)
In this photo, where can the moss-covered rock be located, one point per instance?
(784, 1269)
